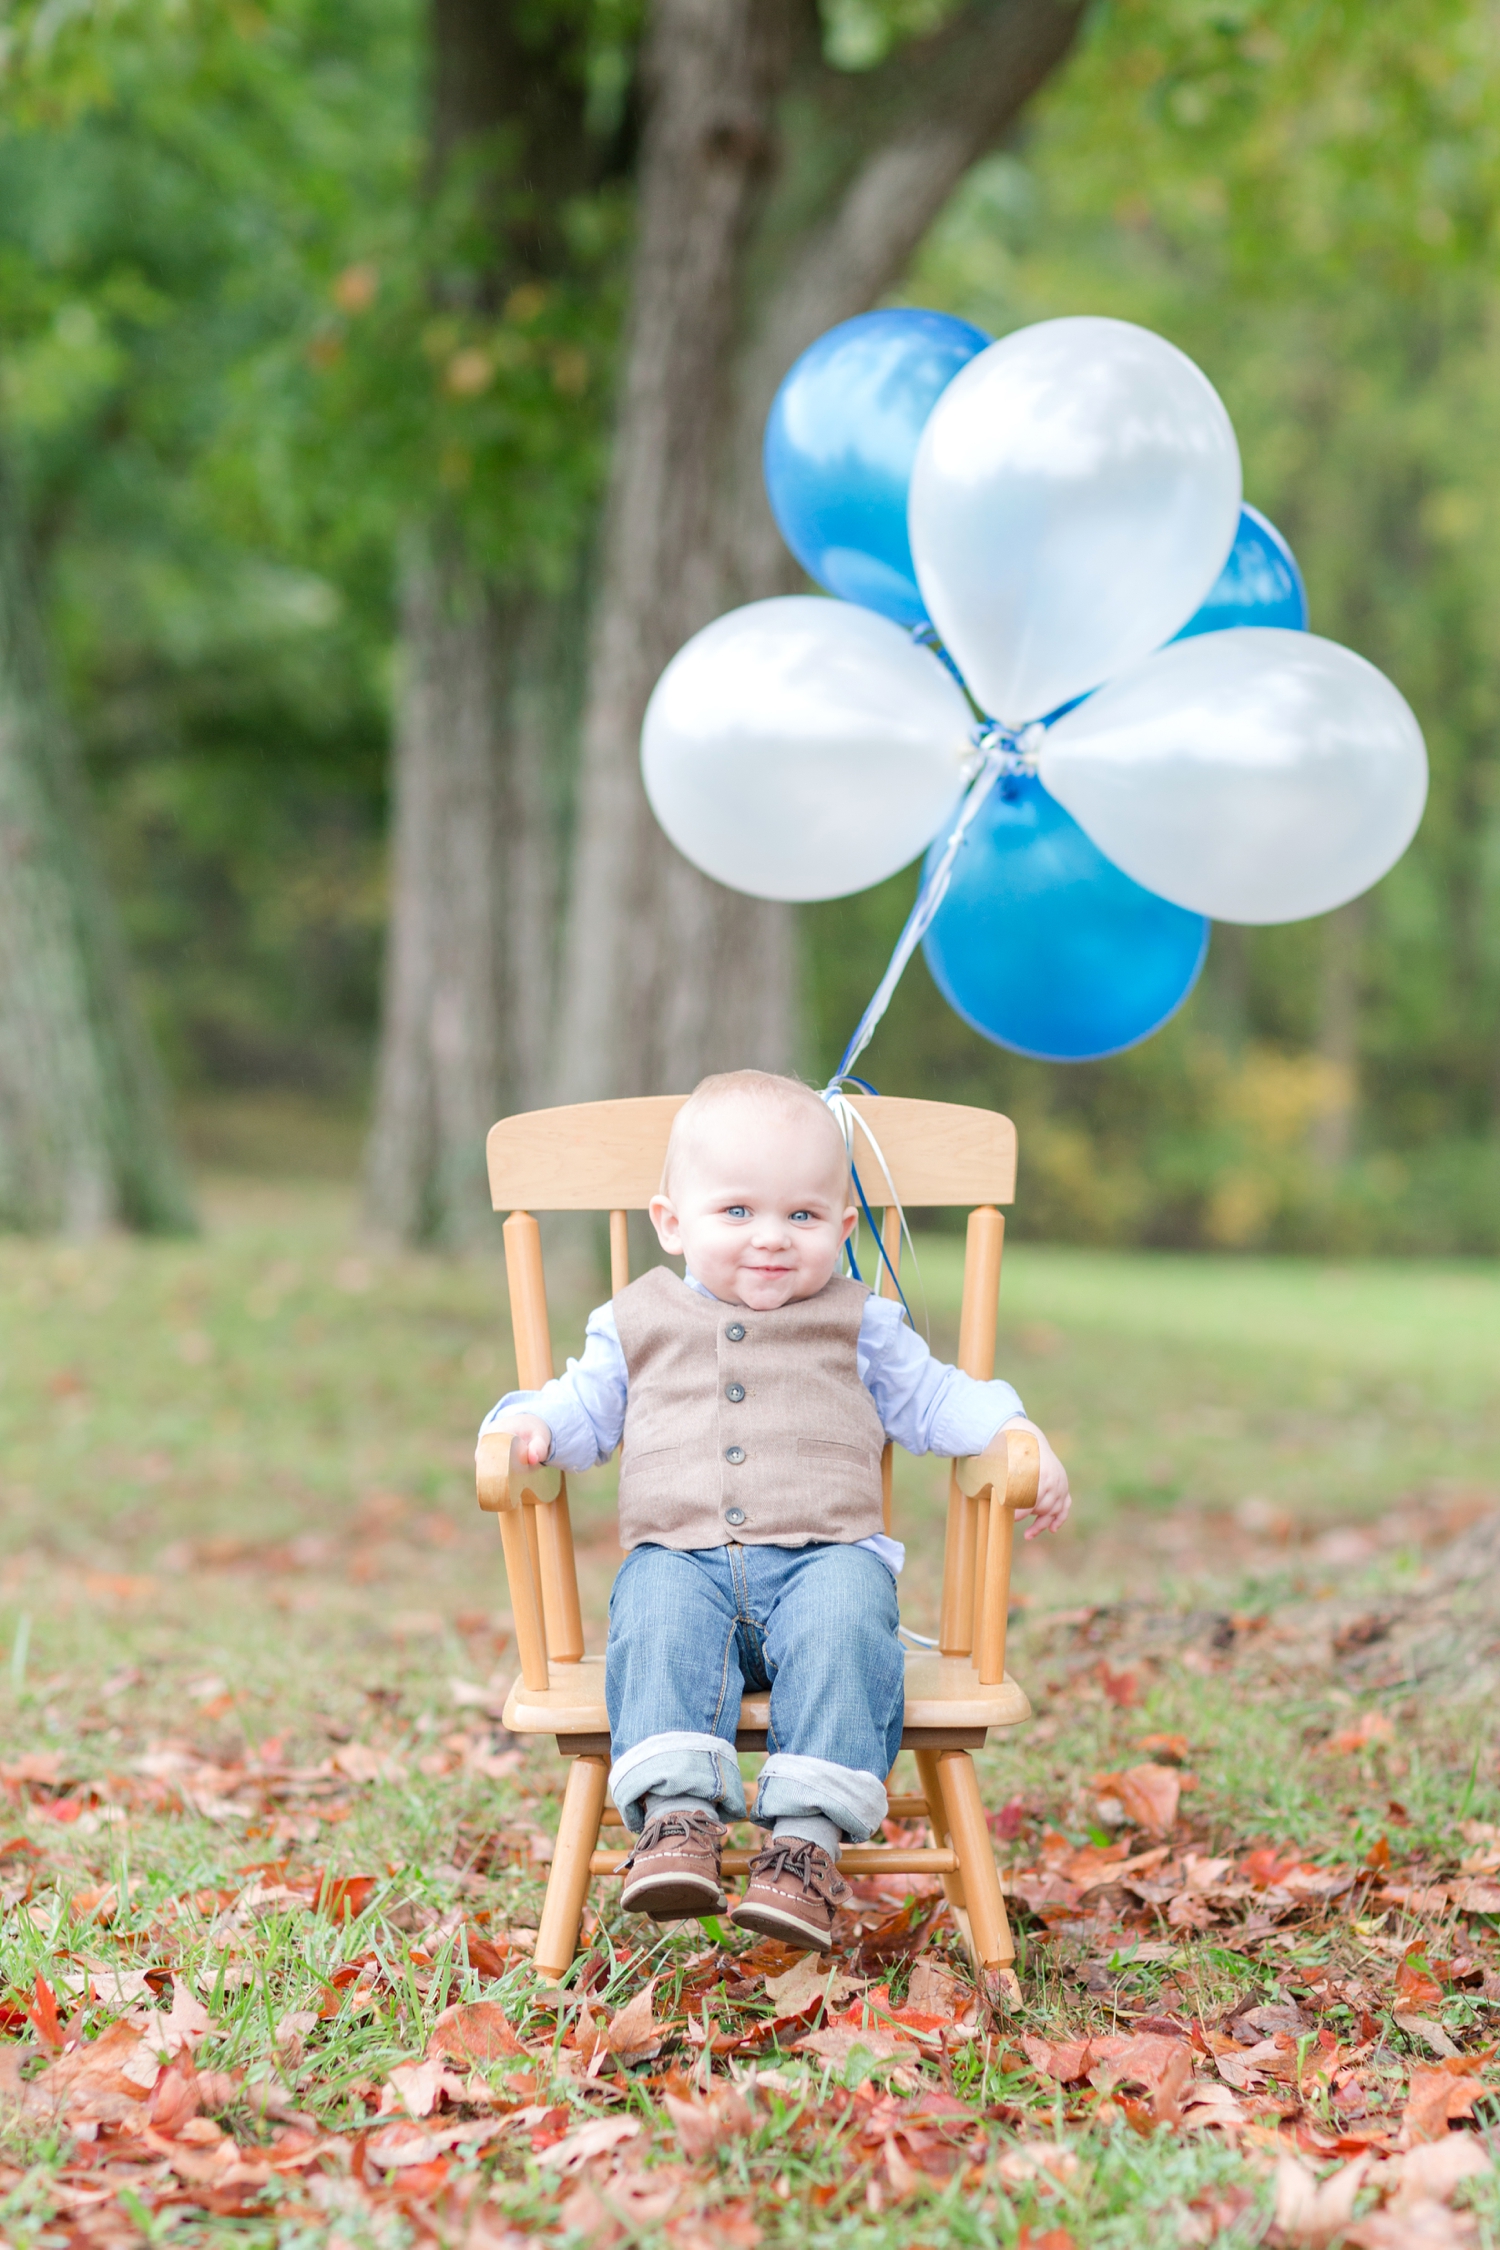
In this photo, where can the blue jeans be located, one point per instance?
(690, 1631)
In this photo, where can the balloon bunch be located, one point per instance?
(1061, 653)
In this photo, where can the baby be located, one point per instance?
(754, 1397)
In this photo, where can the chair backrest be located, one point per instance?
(608, 1156)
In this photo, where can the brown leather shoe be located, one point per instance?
(673, 1871)
(793, 1892)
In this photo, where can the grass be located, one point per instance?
(237, 1540)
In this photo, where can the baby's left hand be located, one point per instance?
(1053, 1499)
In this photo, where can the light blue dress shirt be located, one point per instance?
(923, 1404)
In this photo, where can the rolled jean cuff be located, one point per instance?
(855, 1800)
(678, 1765)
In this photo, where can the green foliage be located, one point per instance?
(241, 347)
(229, 380)
(1306, 200)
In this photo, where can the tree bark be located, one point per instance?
(469, 960)
(739, 265)
(469, 966)
(84, 1142)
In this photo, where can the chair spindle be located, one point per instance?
(557, 1573)
(976, 1356)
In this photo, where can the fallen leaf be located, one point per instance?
(631, 2033)
(344, 1897)
(1149, 1794)
(840, 2041)
(1035, 2159)
(473, 2031)
(1311, 2211)
(589, 2140)
(1066, 2060)
(1172, 1747)
(1416, 2226)
(1375, 1726)
(360, 1761)
(184, 2024)
(701, 2126)
(1434, 2169)
(416, 2085)
(1434, 2098)
(938, 1992)
(1423, 2028)
(1416, 1987)
(812, 1978)
(1475, 1897)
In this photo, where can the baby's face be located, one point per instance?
(758, 1206)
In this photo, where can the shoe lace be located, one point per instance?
(692, 1828)
(793, 1855)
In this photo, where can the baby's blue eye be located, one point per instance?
(802, 1214)
(737, 1211)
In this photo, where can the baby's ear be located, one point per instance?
(667, 1224)
(850, 1222)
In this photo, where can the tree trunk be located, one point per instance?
(468, 976)
(83, 1135)
(469, 962)
(1338, 1033)
(737, 270)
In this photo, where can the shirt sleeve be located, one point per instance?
(923, 1403)
(584, 1408)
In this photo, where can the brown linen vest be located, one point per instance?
(744, 1426)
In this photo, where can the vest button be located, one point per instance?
(735, 1391)
(734, 1453)
(734, 1515)
(736, 1332)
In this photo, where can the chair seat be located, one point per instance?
(942, 1692)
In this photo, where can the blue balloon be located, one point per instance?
(1045, 946)
(841, 439)
(1259, 585)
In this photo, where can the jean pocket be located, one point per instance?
(830, 1449)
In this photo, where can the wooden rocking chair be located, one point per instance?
(608, 1156)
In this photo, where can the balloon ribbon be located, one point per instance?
(1002, 757)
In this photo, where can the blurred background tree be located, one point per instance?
(306, 377)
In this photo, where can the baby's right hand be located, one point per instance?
(535, 1437)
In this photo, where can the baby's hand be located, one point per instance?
(535, 1437)
(1053, 1499)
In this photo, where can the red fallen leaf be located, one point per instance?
(473, 2031)
(1147, 1794)
(483, 1955)
(550, 2130)
(1055, 2238)
(1007, 1823)
(1067, 2060)
(43, 2013)
(1416, 1987)
(1121, 1688)
(343, 1898)
(63, 1809)
(1378, 1857)
(1374, 1726)
(1267, 1863)
(12, 2018)
(1172, 1747)
(1435, 2097)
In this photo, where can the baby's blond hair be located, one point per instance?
(766, 1088)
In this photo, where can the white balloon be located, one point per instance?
(1257, 775)
(1075, 495)
(802, 749)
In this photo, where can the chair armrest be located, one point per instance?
(1009, 1470)
(504, 1479)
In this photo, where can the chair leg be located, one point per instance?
(953, 1885)
(959, 1783)
(568, 1883)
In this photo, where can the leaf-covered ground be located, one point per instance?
(271, 1869)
